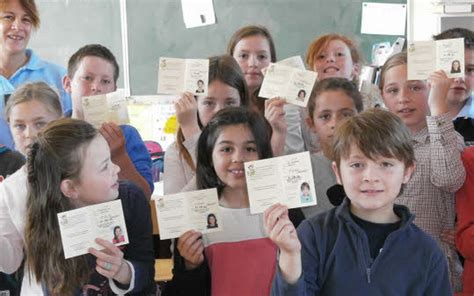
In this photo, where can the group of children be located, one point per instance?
(394, 233)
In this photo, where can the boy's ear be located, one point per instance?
(67, 83)
(408, 173)
(337, 173)
(68, 188)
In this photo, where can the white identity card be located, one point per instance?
(286, 179)
(111, 107)
(425, 57)
(294, 85)
(80, 227)
(294, 62)
(176, 76)
(194, 210)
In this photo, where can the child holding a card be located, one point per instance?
(253, 48)
(334, 55)
(423, 108)
(227, 88)
(69, 167)
(93, 70)
(459, 97)
(367, 245)
(239, 260)
(332, 100)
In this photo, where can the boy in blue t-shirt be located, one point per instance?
(367, 245)
(93, 70)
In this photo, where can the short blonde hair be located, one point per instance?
(395, 60)
(34, 91)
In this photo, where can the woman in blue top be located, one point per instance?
(18, 64)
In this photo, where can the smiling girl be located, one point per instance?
(227, 88)
(239, 260)
(69, 167)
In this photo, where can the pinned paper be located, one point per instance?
(197, 13)
(383, 18)
(154, 118)
(171, 125)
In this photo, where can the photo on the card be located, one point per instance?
(305, 193)
(455, 66)
(200, 86)
(212, 221)
(118, 236)
(301, 95)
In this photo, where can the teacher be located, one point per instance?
(19, 64)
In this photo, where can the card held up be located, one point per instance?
(194, 210)
(286, 179)
(176, 76)
(80, 227)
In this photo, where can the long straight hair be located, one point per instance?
(225, 69)
(57, 154)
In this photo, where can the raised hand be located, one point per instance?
(191, 248)
(110, 262)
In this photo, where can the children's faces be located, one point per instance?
(26, 120)
(98, 179)
(371, 185)
(253, 54)
(219, 96)
(331, 108)
(461, 88)
(234, 146)
(15, 27)
(335, 61)
(407, 99)
(94, 76)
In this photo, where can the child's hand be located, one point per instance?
(439, 86)
(114, 136)
(186, 114)
(275, 114)
(281, 230)
(110, 262)
(283, 233)
(190, 246)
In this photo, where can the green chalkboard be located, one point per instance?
(66, 25)
(156, 28)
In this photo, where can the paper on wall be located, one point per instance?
(383, 18)
(197, 13)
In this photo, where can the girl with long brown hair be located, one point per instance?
(69, 166)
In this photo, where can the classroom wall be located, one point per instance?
(156, 28)
(66, 25)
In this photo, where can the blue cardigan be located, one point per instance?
(336, 259)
